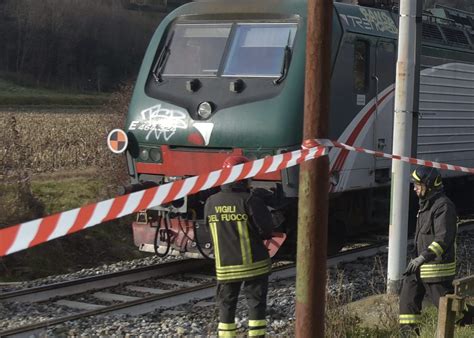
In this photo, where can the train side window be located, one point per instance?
(361, 66)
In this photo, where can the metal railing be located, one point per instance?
(451, 305)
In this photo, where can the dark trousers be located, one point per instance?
(411, 298)
(255, 291)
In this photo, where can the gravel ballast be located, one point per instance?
(355, 280)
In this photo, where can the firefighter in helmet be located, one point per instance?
(239, 222)
(433, 269)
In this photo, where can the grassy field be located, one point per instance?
(102, 244)
(56, 160)
(56, 142)
(16, 95)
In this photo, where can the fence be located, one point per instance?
(450, 305)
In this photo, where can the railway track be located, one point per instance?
(182, 294)
(170, 276)
(202, 288)
(45, 292)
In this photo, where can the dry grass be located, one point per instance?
(42, 142)
(60, 140)
(374, 316)
(55, 161)
(47, 143)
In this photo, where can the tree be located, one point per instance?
(83, 44)
(88, 44)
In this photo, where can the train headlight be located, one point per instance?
(205, 110)
(155, 154)
(144, 154)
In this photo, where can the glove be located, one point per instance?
(264, 194)
(414, 265)
(267, 196)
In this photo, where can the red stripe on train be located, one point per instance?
(193, 163)
(341, 159)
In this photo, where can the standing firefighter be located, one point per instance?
(239, 222)
(434, 268)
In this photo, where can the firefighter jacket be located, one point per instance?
(435, 238)
(239, 223)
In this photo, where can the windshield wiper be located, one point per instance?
(286, 62)
(160, 63)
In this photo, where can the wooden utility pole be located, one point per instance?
(314, 176)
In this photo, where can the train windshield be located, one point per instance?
(258, 50)
(254, 49)
(196, 49)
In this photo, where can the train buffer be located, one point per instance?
(452, 304)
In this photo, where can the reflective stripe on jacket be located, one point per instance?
(239, 222)
(435, 238)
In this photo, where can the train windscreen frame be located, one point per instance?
(229, 49)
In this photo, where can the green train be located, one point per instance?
(227, 77)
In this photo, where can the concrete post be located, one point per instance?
(406, 110)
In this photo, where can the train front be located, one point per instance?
(218, 79)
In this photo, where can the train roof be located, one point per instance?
(448, 26)
(442, 25)
(367, 20)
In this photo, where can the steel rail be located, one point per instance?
(200, 292)
(175, 297)
(67, 288)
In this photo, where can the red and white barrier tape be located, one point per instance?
(444, 166)
(29, 234)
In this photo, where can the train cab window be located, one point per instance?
(361, 66)
(195, 49)
(260, 50)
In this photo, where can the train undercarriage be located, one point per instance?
(179, 228)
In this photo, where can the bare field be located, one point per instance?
(54, 145)
(56, 159)
(48, 141)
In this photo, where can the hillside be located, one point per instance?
(92, 45)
